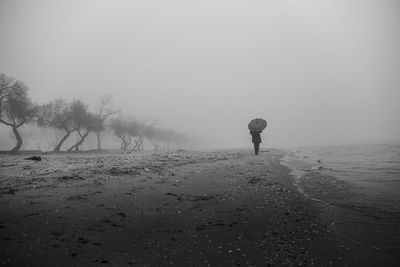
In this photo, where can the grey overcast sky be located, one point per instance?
(319, 71)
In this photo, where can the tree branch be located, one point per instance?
(8, 87)
(6, 123)
(20, 124)
(110, 113)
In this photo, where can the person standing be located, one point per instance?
(256, 139)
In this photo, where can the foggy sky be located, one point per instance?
(320, 72)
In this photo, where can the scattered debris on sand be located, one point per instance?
(185, 208)
(35, 158)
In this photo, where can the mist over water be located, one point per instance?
(320, 72)
(372, 172)
(362, 181)
(158, 95)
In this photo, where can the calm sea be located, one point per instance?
(363, 181)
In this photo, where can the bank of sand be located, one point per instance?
(216, 208)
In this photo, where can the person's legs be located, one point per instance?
(256, 148)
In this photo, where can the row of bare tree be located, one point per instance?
(17, 109)
(132, 135)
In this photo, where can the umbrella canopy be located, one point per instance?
(257, 125)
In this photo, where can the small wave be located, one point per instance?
(296, 184)
(298, 168)
(316, 168)
(383, 180)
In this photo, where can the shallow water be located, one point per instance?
(362, 180)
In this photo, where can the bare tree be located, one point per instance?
(61, 115)
(103, 112)
(85, 122)
(136, 133)
(16, 108)
(121, 130)
(153, 135)
(168, 137)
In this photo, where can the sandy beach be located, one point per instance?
(183, 208)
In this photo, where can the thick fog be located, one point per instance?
(320, 72)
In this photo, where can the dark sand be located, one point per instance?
(221, 208)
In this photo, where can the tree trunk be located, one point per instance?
(138, 145)
(98, 140)
(154, 143)
(122, 142)
(58, 147)
(19, 139)
(125, 144)
(80, 142)
(72, 148)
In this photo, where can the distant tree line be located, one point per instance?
(75, 118)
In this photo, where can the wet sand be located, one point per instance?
(210, 208)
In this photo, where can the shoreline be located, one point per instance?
(373, 240)
(217, 208)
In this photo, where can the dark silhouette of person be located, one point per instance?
(256, 139)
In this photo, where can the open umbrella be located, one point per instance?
(257, 125)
